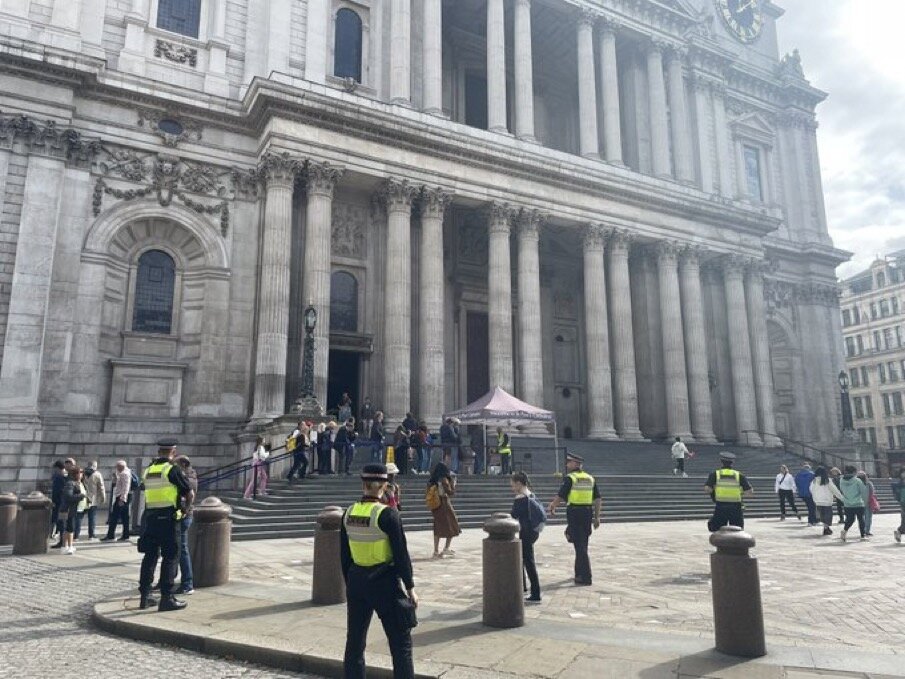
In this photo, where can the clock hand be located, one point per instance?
(742, 8)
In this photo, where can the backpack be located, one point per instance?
(432, 497)
(134, 484)
(536, 513)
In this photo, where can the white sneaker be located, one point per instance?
(684, 475)
(69, 550)
(675, 471)
(842, 535)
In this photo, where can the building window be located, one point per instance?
(868, 408)
(849, 346)
(881, 279)
(846, 318)
(887, 405)
(476, 99)
(343, 302)
(873, 310)
(347, 45)
(859, 408)
(894, 301)
(752, 173)
(884, 308)
(893, 371)
(891, 437)
(860, 345)
(900, 431)
(864, 376)
(872, 435)
(897, 404)
(179, 16)
(876, 340)
(887, 338)
(898, 335)
(854, 377)
(856, 314)
(881, 371)
(154, 285)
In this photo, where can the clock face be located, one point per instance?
(743, 17)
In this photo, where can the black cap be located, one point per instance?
(374, 472)
(166, 443)
(727, 456)
(574, 457)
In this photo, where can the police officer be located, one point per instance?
(166, 491)
(726, 487)
(503, 447)
(579, 490)
(375, 559)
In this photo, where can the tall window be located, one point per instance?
(859, 408)
(900, 431)
(752, 173)
(476, 99)
(891, 437)
(343, 302)
(849, 346)
(897, 407)
(856, 314)
(347, 45)
(887, 405)
(865, 381)
(154, 285)
(179, 16)
(868, 407)
(855, 377)
(846, 318)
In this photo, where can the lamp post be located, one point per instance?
(307, 404)
(847, 423)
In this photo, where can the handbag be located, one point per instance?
(874, 504)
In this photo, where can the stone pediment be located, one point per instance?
(753, 126)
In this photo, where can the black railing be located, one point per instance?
(235, 474)
(814, 454)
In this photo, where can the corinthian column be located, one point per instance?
(587, 87)
(678, 109)
(401, 52)
(432, 357)
(677, 423)
(499, 297)
(659, 129)
(524, 72)
(696, 347)
(740, 352)
(760, 354)
(432, 56)
(625, 386)
(279, 172)
(600, 390)
(609, 91)
(398, 195)
(320, 180)
(531, 367)
(496, 66)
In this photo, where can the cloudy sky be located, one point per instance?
(855, 50)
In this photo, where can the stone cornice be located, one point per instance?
(47, 138)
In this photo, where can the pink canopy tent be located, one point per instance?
(498, 407)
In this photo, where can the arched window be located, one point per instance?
(343, 302)
(347, 45)
(154, 285)
(179, 16)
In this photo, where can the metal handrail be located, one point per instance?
(822, 457)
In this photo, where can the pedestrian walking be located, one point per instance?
(57, 481)
(344, 444)
(854, 494)
(423, 443)
(582, 496)
(299, 439)
(898, 492)
(531, 517)
(74, 503)
(803, 481)
(345, 407)
(449, 441)
(872, 505)
(784, 487)
(441, 488)
(122, 499)
(257, 484)
(504, 450)
(375, 559)
(836, 476)
(366, 417)
(392, 496)
(186, 575)
(96, 494)
(727, 487)
(824, 493)
(314, 432)
(325, 438)
(167, 493)
(401, 448)
(679, 451)
(377, 436)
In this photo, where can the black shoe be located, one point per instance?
(583, 583)
(147, 602)
(124, 538)
(171, 604)
(109, 538)
(57, 545)
(155, 587)
(532, 600)
(827, 531)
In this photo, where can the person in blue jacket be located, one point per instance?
(803, 486)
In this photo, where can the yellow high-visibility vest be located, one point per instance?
(159, 492)
(500, 447)
(728, 486)
(582, 493)
(369, 545)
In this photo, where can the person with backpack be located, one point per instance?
(531, 517)
(441, 487)
(126, 483)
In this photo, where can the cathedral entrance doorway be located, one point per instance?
(478, 358)
(344, 375)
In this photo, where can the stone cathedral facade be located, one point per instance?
(610, 208)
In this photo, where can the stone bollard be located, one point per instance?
(209, 539)
(8, 508)
(327, 584)
(504, 596)
(32, 524)
(738, 618)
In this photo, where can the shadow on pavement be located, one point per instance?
(450, 633)
(263, 610)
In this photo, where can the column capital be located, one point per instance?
(321, 178)
(667, 251)
(609, 24)
(620, 241)
(595, 236)
(734, 265)
(397, 194)
(435, 200)
(674, 51)
(279, 169)
(500, 216)
(658, 45)
(691, 253)
(528, 222)
(758, 268)
(587, 17)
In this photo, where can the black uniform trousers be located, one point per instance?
(578, 530)
(159, 538)
(299, 463)
(370, 590)
(530, 566)
(726, 514)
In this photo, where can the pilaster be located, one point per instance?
(499, 295)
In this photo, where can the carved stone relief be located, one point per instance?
(350, 223)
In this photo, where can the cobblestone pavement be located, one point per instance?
(45, 630)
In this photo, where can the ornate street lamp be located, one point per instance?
(307, 405)
(847, 422)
